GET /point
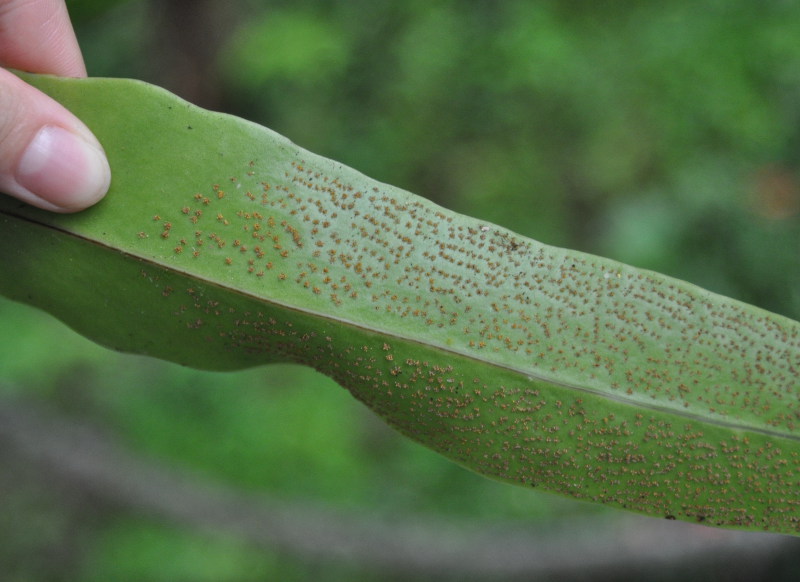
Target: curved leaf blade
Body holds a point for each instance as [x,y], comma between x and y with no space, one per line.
[223,245]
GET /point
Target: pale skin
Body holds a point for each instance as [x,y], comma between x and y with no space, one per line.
[48,158]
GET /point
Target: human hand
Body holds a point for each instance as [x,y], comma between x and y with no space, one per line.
[48,158]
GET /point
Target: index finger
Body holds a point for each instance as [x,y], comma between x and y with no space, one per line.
[37,36]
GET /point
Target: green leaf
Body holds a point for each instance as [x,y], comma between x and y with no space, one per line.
[222,245]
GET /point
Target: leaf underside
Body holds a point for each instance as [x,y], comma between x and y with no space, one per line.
[222,245]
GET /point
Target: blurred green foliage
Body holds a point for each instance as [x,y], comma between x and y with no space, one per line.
[665,135]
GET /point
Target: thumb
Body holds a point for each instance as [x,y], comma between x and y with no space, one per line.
[48,158]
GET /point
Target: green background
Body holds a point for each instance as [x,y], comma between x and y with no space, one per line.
[664,135]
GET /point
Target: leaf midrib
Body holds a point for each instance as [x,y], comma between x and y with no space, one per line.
[528,374]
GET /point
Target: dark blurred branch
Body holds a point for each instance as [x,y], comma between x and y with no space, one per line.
[188,37]
[77,455]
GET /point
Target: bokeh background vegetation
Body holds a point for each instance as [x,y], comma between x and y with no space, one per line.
[661,134]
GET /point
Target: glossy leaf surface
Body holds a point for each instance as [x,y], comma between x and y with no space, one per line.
[222,245]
